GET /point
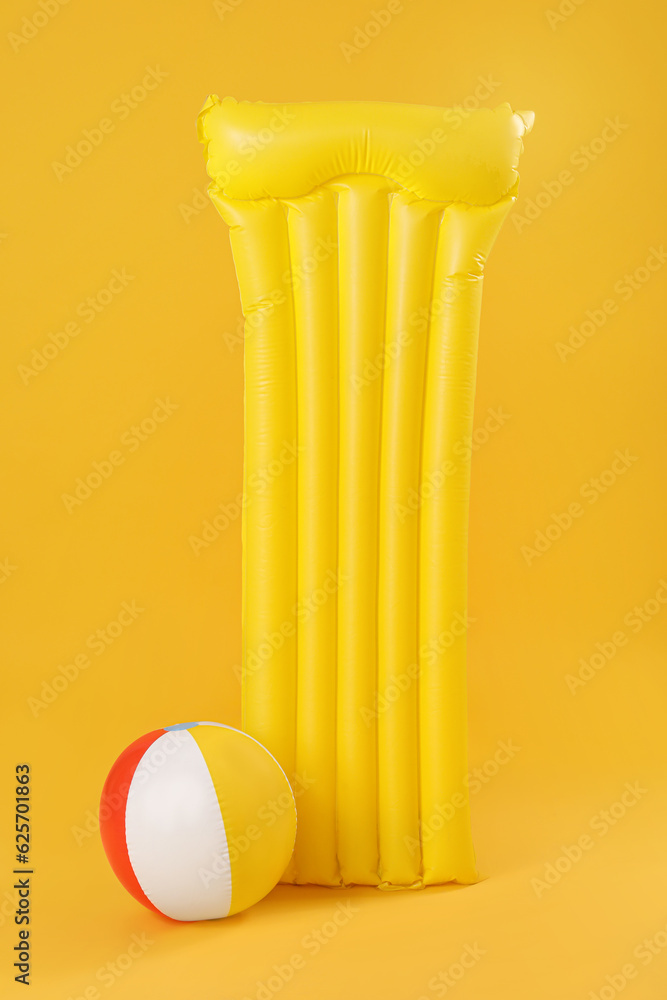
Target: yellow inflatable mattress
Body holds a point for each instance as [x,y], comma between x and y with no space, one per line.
[360,232]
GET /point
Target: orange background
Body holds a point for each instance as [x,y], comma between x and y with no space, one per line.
[170,332]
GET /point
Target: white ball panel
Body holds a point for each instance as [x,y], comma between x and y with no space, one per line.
[176,836]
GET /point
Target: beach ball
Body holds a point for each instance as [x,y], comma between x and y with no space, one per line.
[198,820]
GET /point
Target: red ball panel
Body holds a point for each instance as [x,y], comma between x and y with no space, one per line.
[112,814]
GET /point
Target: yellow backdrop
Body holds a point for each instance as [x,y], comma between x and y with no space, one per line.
[121,460]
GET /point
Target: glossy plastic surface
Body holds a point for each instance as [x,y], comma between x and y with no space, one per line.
[360,233]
